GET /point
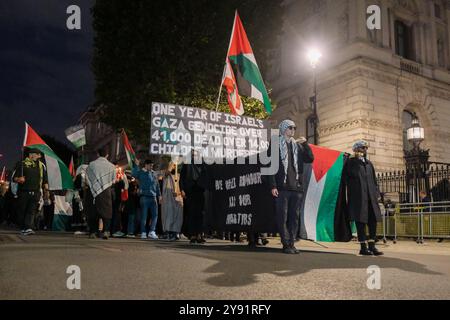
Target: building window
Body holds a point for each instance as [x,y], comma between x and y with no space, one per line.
[310,129]
[404,45]
[406,123]
[437,11]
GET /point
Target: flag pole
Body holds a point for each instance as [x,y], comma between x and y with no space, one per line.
[220,89]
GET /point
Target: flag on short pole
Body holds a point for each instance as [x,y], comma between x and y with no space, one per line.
[3,176]
[59,177]
[250,81]
[76,135]
[131,155]
[72,167]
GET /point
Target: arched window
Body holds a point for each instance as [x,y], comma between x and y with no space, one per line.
[406,123]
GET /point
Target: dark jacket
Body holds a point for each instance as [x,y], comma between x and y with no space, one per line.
[361,185]
[190,178]
[305,155]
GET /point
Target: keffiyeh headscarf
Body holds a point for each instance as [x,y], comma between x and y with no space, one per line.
[360,144]
[284,125]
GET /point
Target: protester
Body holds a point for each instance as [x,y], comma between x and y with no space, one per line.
[3,191]
[120,196]
[172,203]
[31,176]
[149,193]
[362,197]
[131,206]
[48,211]
[287,183]
[101,175]
[193,193]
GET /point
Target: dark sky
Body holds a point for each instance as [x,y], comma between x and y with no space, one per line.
[45,70]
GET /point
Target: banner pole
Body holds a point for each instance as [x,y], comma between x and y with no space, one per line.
[220,89]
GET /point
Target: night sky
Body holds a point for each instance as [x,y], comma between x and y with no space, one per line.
[45,70]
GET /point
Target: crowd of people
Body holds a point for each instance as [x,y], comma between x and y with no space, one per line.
[108,202]
[170,203]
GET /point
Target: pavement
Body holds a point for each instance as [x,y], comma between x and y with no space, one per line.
[35,267]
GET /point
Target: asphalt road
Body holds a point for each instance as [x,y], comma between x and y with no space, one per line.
[34,267]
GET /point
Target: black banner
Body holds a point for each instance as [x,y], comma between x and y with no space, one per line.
[238,199]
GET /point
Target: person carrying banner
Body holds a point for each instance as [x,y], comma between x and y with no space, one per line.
[149,194]
[101,175]
[31,176]
[172,203]
[286,185]
[362,197]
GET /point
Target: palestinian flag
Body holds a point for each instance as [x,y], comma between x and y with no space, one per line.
[59,177]
[131,156]
[76,135]
[250,81]
[323,217]
[62,214]
[72,167]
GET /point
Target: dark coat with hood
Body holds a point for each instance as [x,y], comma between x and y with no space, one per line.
[361,185]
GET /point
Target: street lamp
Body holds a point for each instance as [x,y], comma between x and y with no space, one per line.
[416,161]
[314,56]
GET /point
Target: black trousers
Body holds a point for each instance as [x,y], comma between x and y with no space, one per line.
[194,205]
[371,224]
[27,206]
[288,215]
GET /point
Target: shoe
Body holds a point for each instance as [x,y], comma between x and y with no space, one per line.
[143,235]
[132,236]
[193,241]
[265,242]
[92,236]
[119,234]
[288,250]
[106,235]
[201,240]
[374,250]
[28,232]
[152,235]
[295,250]
[364,251]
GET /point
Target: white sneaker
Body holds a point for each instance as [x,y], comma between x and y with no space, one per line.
[130,236]
[28,232]
[152,235]
[143,235]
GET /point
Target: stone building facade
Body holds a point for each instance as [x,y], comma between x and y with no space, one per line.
[369,82]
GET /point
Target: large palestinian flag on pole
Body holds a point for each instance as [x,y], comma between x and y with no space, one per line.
[323,217]
[250,81]
[59,177]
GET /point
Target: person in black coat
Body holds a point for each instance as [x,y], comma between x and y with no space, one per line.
[362,197]
[287,184]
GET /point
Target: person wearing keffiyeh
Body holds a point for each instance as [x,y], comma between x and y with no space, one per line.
[100,176]
[287,185]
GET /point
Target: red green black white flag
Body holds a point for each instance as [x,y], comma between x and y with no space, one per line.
[250,81]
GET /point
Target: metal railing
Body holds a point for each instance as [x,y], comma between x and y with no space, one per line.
[424,220]
[407,184]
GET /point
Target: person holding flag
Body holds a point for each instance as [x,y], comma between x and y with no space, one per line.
[31,177]
[287,185]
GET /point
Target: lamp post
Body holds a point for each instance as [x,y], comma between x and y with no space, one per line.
[314,57]
[416,162]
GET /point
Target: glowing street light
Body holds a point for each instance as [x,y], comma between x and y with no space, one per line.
[314,56]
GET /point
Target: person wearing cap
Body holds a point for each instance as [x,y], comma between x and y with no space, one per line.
[287,184]
[362,197]
[149,193]
[31,177]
